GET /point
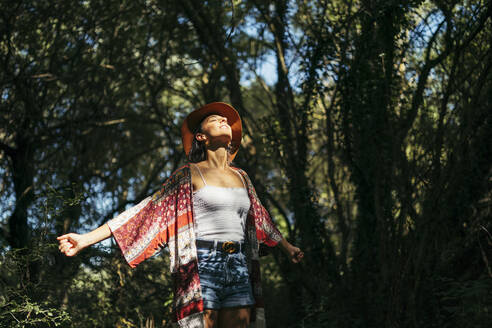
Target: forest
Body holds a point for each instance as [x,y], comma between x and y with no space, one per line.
[366,132]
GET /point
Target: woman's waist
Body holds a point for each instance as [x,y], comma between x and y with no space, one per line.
[227,246]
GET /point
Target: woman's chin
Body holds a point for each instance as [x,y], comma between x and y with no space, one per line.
[224,138]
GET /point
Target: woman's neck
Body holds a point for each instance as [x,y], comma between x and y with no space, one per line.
[217,158]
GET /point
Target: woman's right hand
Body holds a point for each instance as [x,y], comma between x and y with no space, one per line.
[71,244]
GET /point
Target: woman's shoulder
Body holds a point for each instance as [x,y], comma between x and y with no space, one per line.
[183,172]
[243,173]
[238,169]
[184,169]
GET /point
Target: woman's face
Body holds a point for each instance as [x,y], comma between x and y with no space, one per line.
[215,129]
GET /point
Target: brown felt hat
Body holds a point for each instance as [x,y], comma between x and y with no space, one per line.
[193,119]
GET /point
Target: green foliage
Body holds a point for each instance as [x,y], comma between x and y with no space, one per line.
[41,288]
[27,314]
[18,305]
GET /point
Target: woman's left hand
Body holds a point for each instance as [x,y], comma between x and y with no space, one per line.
[294,253]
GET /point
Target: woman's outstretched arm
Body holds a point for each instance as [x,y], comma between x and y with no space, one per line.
[73,243]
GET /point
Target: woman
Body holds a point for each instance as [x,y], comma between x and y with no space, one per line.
[209,216]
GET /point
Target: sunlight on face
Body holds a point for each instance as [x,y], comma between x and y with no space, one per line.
[215,127]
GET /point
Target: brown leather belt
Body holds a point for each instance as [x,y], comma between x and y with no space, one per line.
[230,247]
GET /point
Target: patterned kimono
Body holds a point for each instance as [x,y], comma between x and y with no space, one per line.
[165,219]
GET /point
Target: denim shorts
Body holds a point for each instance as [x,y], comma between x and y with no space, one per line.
[224,279]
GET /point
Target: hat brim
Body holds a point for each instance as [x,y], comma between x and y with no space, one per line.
[193,119]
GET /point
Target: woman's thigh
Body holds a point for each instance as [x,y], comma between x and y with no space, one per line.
[210,317]
[234,317]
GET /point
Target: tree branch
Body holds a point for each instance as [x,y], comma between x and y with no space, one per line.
[431,63]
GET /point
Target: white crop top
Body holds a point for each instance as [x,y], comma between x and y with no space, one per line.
[220,212]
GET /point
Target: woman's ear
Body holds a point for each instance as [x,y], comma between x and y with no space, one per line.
[200,137]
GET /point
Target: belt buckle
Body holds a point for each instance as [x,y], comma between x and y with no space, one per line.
[229,247]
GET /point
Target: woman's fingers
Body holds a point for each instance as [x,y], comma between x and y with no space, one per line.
[71,252]
[297,255]
[68,244]
[65,236]
[68,250]
[65,247]
[64,242]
